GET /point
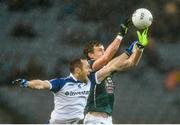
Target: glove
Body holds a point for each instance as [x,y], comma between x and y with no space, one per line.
[124,27]
[21,82]
[142,39]
[129,50]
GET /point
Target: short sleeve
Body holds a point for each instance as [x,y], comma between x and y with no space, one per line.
[56,84]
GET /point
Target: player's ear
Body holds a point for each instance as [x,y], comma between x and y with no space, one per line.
[77,70]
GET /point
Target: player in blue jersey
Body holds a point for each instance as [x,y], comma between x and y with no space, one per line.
[71,93]
[101,99]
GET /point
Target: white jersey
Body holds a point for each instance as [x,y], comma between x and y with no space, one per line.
[70,98]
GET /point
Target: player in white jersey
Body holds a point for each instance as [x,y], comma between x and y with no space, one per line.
[71,93]
[69,109]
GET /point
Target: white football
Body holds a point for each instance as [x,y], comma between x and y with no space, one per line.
[142,18]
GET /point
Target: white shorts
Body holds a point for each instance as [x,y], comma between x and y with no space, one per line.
[91,119]
[56,121]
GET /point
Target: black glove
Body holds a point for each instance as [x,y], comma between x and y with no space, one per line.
[124,27]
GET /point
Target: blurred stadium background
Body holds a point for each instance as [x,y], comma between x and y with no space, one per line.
[39,37]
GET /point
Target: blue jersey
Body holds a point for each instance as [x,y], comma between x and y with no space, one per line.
[70,98]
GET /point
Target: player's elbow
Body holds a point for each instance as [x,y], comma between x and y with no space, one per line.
[38,84]
[105,59]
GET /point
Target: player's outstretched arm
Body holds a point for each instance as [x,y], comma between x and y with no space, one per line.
[34,84]
[113,47]
[136,47]
[118,64]
[140,44]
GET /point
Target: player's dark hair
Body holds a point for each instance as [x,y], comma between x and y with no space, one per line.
[76,63]
[89,48]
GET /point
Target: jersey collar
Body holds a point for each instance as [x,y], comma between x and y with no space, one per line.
[72,76]
[76,81]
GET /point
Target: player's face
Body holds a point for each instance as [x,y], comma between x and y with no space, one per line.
[98,52]
[85,71]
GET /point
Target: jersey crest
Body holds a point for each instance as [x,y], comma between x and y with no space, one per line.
[109,85]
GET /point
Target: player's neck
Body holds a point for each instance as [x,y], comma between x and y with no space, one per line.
[79,78]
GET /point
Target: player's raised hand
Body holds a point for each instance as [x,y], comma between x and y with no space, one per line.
[143,38]
[21,82]
[124,27]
